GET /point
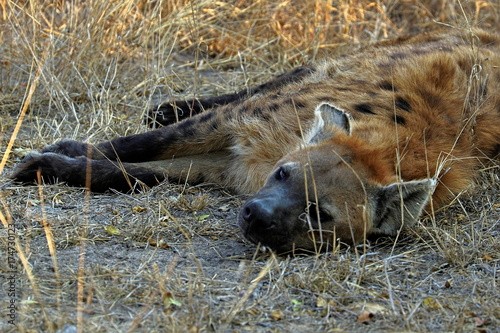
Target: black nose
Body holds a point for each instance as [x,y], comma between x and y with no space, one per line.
[258,214]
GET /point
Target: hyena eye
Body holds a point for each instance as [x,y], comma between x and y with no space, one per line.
[281,174]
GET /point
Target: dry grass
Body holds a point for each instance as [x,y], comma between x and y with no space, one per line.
[172,259]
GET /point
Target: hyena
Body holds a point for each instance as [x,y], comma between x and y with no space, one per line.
[346,149]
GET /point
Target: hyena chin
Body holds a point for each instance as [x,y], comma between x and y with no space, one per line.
[348,149]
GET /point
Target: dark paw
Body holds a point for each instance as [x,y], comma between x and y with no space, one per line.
[26,171]
[170,113]
[52,167]
[68,148]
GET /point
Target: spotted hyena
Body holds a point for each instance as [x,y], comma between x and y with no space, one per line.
[349,148]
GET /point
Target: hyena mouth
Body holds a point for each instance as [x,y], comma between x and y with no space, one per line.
[269,236]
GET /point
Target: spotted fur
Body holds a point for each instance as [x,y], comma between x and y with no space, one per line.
[351,147]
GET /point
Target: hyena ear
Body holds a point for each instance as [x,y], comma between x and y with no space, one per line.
[399,205]
[327,118]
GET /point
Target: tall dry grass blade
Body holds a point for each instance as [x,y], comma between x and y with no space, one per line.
[50,239]
[5,218]
[82,253]
[4,13]
[80,286]
[306,167]
[26,104]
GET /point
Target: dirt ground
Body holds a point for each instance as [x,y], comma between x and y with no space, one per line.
[171,258]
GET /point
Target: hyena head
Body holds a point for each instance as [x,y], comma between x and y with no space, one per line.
[334,188]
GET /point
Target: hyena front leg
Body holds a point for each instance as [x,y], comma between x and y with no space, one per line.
[102,175]
[173,111]
[201,134]
[66,160]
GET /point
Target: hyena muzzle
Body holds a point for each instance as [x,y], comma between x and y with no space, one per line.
[350,148]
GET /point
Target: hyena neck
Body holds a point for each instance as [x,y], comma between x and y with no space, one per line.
[389,154]
[373,161]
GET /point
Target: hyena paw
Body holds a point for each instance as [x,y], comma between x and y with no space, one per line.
[26,171]
[51,166]
[165,114]
[68,148]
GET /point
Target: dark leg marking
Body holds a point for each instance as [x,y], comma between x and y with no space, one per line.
[398,55]
[273,107]
[386,85]
[257,112]
[400,120]
[402,104]
[205,117]
[186,125]
[364,108]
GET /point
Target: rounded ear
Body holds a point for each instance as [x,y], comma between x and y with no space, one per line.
[326,117]
[399,204]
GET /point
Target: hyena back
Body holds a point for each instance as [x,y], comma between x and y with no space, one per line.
[350,148]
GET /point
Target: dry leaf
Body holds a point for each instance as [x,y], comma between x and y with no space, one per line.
[277,314]
[324,303]
[224,208]
[365,316]
[112,230]
[161,243]
[193,329]
[478,321]
[487,258]
[430,302]
[384,295]
[253,311]
[321,302]
[139,209]
[374,308]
